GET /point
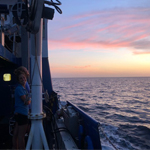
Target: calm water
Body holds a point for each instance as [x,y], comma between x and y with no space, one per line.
[121,105]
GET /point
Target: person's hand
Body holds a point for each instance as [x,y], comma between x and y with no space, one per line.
[27,100]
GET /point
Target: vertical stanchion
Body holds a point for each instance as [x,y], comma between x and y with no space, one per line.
[37,133]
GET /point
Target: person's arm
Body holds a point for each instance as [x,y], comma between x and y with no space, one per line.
[25,99]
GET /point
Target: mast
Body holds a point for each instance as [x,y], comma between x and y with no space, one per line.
[37,136]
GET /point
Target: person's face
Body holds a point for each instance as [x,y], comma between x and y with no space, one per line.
[22,79]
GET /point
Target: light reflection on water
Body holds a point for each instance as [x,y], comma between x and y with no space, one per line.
[118,102]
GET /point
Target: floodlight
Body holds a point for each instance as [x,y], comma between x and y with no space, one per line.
[48,13]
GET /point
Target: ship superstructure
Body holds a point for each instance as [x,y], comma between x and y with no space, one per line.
[23,42]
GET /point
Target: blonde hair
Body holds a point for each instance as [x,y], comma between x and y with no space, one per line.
[21,70]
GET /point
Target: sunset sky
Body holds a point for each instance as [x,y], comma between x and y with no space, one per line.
[100,38]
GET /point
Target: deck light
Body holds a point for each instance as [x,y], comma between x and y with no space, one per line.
[7,77]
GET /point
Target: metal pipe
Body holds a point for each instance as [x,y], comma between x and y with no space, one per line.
[29,143]
[14,44]
[44,140]
[36,116]
[37,86]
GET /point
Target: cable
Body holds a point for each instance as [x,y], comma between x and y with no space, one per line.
[55,5]
[36,61]
[107,138]
[54,134]
[8,47]
[45,107]
[11,40]
[59,3]
[52,123]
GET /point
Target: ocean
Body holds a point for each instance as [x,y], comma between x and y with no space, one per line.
[121,105]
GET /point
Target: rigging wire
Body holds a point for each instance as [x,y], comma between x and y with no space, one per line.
[36,61]
[12,40]
[100,127]
[8,47]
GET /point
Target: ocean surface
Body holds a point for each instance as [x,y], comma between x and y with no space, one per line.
[121,105]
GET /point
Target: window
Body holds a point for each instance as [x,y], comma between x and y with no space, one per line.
[7,77]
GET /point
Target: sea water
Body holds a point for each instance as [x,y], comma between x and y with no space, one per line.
[121,105]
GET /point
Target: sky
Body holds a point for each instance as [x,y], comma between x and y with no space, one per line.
[100,38]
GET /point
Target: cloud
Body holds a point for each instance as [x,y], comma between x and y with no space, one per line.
[83,67]
[104,29]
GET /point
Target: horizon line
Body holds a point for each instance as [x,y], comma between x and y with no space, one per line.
[106,77]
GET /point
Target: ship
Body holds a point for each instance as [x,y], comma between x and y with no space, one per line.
[23,42]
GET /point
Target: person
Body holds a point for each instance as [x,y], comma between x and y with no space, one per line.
[22,100]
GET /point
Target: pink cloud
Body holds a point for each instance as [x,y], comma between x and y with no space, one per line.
[105,29]
[141,52]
